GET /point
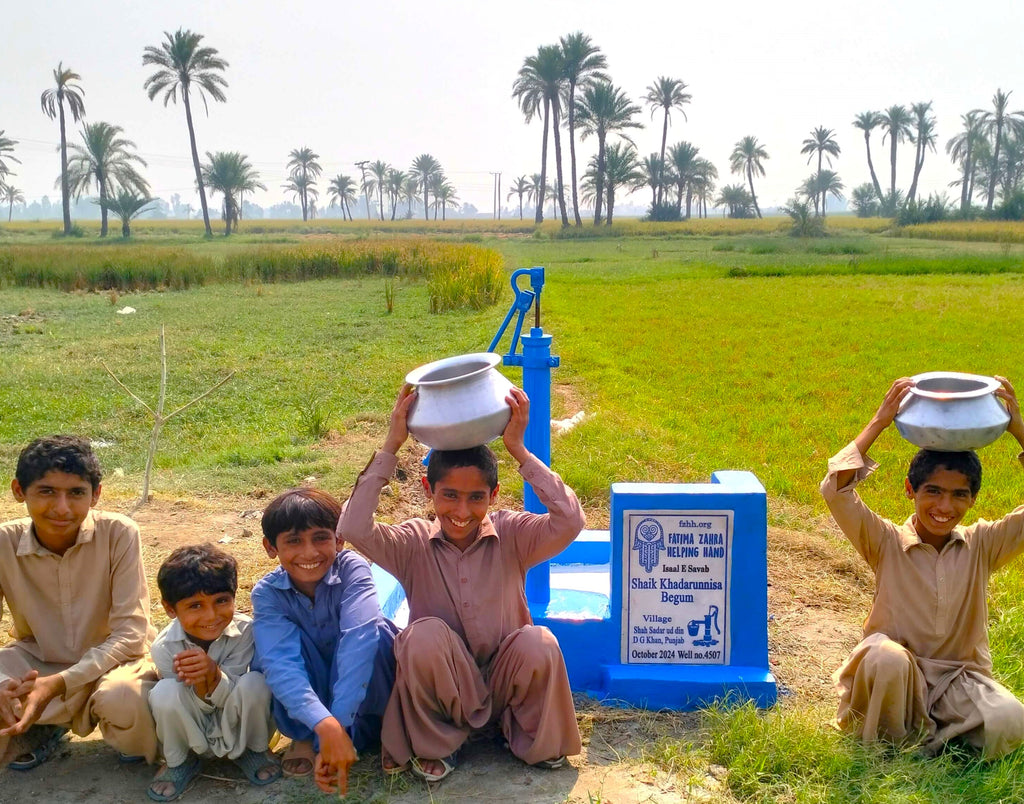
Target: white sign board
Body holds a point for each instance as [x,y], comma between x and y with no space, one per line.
[675,591]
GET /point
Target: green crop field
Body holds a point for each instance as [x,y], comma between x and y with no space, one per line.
[688,351]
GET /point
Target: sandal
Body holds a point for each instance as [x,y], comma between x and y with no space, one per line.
[298,751]
[394,769]
[50,738]
[448,763]
[181,776]
[551,764]
[252,762]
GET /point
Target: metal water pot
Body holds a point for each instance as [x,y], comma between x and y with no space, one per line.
[950,412]
[460,401]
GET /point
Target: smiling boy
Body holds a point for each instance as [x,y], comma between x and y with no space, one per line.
[471,655]
[323,644]
[209,699]
[923,670]
[76,589]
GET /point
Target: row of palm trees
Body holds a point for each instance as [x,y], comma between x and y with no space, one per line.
[569,79]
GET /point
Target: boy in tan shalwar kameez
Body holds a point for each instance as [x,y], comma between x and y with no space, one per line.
[471,655]
[923,670]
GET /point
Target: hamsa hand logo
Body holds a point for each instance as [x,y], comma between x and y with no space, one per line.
[649,541]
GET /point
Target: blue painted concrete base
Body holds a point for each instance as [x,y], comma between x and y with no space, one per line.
[684,687]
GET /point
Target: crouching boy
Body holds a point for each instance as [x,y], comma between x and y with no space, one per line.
[923,670]
[471,655]
[76,591]
[208,699]
[325,646]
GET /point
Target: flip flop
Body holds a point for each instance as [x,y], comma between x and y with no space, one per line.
[252,762]
[448,763]
[181,776]
[551,764]
[292,754]
[50,738]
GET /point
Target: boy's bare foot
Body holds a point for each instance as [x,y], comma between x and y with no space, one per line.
[298,759]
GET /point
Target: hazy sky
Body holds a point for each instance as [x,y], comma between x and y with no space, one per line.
[390,80]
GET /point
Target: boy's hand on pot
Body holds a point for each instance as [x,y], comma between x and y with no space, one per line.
[398,429]
[515,431]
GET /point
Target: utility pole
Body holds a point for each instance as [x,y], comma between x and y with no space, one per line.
[499,196]
[366,198]
[496,195]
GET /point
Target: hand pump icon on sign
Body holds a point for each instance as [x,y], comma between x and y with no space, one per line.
[694,628]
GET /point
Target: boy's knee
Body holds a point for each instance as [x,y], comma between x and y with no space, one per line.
[166,696]
[116,700]
[537,644]
[888,660]
[252,686]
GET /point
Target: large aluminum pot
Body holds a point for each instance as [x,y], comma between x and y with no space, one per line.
[950,412]
[460,401]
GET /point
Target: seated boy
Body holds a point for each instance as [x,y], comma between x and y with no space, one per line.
[76,590]
[471,654]
[208,700]
[325,647]
[923,670]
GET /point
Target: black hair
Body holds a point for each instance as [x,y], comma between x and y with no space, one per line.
[927,461]
[298,510]
[443,461]
[65,453]
[198,568]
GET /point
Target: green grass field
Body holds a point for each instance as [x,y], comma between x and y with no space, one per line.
[682,367]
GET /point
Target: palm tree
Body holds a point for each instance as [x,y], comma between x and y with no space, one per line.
[520,187]
[866,122]
[300,187]
[601,110]
[410,193]
[106,158]
[52,100]
[379,171]
[819,186]
[342,190]
[896,122]
[736,200]
[230,174]
[653,169]
[747,156]
[395,186]
[424,168]
[183,65]
[126,205]
[6,147]
[622,169]
[923,137]
[10,195]
[823,143]
[538,87]
[668,94]
[994,124]
[303,162]
[444,197]
[582,61]
[964,148]
[682,160]
[704,178]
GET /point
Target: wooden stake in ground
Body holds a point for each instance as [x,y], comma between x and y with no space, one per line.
[158,415]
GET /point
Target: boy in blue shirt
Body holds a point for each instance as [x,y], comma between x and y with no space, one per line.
[324,645]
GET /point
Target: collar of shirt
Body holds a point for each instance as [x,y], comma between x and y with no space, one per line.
[909,537]
[280,579]
[486,529]
[177,633]
[28,544]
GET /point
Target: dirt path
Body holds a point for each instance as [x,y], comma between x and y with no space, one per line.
[818,592]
